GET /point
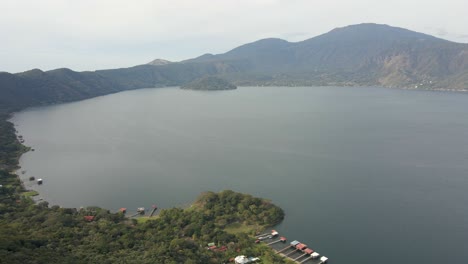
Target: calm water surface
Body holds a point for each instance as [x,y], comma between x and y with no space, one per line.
[365,175]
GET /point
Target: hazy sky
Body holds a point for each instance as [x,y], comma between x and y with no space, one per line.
[94,34]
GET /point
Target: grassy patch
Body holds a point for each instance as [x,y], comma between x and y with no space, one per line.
[144,219]
[30,193]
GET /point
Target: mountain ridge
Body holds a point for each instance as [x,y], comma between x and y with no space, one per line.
[356,55]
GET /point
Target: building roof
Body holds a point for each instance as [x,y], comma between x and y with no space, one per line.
[323,259]
[301,246]
[308,251]
[294,243]
[315,254]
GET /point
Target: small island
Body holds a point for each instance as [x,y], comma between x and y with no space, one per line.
[209,83]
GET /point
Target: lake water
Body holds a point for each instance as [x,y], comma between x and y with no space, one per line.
[365,175]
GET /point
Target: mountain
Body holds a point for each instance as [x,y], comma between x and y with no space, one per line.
[364,54]
[158,62]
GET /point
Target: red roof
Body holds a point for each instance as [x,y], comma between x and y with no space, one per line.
[301,246]
[123,210]
[308,251]
[282,238]
[223,248]
[89,218]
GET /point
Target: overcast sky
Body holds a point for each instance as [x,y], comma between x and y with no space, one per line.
[94,34]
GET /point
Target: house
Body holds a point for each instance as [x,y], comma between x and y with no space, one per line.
[315,255]
[323,259]
[301,246]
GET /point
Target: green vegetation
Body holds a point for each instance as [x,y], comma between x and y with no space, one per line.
[236,228]
[35,233]
[29,193]
[10,148]
[209,83]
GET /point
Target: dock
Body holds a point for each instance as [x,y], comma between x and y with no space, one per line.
[154,210]
[296,251]
[141,211]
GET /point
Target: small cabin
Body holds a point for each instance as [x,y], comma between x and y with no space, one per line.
[274,233]
[301,246]
[283,239]
[141,210]
[309,251]
[323,259]
[315,255]
[39,181]
[123,210]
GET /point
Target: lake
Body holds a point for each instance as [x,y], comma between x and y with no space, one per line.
[365,175]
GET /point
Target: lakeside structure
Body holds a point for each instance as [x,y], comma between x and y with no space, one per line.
[295,250]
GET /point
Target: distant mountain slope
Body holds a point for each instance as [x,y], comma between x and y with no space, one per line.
[36,87]
[209,83]
[364,54]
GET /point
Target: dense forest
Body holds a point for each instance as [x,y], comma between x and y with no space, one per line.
[38,233]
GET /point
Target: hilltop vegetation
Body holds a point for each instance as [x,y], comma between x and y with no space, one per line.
[35,233]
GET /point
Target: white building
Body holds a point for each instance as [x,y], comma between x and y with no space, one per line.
[323,259]
[241,260]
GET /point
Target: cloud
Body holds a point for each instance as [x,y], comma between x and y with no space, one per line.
[94,34]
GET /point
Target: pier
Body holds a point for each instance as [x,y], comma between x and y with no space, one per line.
[296,251]
[282,239]
[154,210]
[141,211]
[303,255]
